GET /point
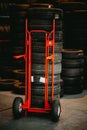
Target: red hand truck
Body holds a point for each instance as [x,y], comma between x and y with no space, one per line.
[18,105]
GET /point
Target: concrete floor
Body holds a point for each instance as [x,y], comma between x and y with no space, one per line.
[73,116]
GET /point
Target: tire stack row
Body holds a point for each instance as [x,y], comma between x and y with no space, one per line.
[40,17]
[85,70]
[4,21]
[18,16]
[6,79]
[72,71]
[75,27]
[78,28]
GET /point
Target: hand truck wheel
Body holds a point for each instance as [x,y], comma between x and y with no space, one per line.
[17,110]
[56,110]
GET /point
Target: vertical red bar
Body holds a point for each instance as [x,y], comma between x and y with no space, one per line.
[28,67]
[29,71]
[26,40]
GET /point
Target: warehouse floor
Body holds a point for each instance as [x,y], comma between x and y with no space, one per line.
[73,116]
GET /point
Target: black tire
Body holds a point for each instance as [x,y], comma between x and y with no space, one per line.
[39,47]
[38,101]
[17,111]
[38,69]
[6,84]
[19,81]
[38,83]
[4,8]
[72,89]
[72,63]
[56,110]
[20,36]
[61,88]
[39,91]
[71,53]
[72,72]
[39,58]
[18,15]
[20,26]
[21,7]
[18,50]
[40,25]
[58,36]
[43,13]
[40,5]
[73,80]
[19,63]
[6,71]
[5,28]
[18,87]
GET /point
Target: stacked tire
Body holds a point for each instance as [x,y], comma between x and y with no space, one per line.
[72,71]
[6,79]
[18,16]
[78,28]
[85,70]
[75,27]
[40,18]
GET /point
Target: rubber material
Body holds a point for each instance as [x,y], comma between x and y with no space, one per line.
[40,69]
[16,110]
[43,13]
[72,71]
[71,53]
[39,91]
[73,89]
[40,47]
[73,80]
[38,101]
[40,58]
[56,110]
[72,63]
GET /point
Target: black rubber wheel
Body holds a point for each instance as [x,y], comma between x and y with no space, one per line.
[17,110]
[56,110]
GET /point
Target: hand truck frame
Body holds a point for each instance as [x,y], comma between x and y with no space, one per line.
[18,105]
